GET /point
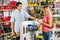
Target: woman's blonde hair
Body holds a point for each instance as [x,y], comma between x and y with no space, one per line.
[48,9]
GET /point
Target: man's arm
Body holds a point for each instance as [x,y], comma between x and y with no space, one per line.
[12,26]
[31,17]
[28,16]
[12,23]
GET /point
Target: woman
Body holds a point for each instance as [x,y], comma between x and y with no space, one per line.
[46,23]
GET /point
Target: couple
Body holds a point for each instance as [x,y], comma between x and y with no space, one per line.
[18,16]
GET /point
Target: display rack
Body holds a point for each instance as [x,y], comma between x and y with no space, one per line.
[56,30]
[5,15]
[3,34]
[38,4]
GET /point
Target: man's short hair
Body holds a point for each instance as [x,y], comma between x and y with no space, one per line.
[18,3]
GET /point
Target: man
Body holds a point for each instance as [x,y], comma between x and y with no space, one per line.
[17,17]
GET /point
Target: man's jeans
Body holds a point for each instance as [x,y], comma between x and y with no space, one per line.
[46,35]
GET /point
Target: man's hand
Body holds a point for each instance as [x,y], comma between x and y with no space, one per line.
[13,33]
[12,28]
[31,17]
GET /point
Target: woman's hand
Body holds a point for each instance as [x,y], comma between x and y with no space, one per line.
[40,21]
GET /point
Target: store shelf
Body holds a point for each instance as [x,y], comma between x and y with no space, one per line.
[5,34]
[6,10]
[56,8]
[33,4]
[5,22]
[56,15]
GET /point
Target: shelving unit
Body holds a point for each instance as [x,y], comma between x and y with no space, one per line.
[38,4]
[2,36]
[5,15]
